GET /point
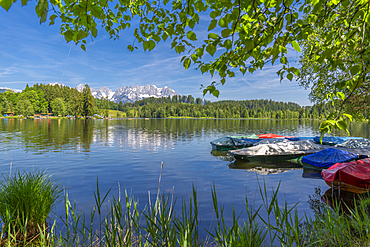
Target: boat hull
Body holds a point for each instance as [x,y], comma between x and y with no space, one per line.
[267,158]
[336,184]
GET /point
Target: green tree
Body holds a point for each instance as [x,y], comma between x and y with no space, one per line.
[344,79]
[58,107]
[104,106]
[87,102]
[25,108]
[120,106]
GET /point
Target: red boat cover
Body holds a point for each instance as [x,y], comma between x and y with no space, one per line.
[355,173]
[271,135]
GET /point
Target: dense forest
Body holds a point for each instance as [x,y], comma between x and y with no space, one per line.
[62,101]
[187,106]
[56,99]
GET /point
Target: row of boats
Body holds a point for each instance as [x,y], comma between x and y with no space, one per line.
[344,162]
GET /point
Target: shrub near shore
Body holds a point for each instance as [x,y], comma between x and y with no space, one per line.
[26,199]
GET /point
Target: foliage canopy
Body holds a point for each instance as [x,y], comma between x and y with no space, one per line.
[242,35]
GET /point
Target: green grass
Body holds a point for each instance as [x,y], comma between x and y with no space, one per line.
[118,221]
[26,200]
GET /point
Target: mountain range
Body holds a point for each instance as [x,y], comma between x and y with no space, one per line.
[124,94]
[131,93]
[3,89]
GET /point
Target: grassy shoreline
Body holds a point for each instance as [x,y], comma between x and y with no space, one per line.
[159,224]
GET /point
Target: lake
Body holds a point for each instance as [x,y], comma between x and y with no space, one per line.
[127,153]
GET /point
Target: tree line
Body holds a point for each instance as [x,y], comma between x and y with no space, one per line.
[62,101]
[190,107]
[56,99]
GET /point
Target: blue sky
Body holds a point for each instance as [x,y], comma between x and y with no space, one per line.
[33,53]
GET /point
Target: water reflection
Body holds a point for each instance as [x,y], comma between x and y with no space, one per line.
[45,135]
[343,201]
[263,168]
[130,151]
[311,173]
[222,155]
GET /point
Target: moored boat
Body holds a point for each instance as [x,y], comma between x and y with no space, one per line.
[234,142]
[279,150]
[353,176]
[334,140]
[271,135]
[326,158]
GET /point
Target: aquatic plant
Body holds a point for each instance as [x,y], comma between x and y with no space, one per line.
[26,199]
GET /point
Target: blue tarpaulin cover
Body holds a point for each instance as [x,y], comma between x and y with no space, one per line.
[328,157]
[333,140]
[299,138]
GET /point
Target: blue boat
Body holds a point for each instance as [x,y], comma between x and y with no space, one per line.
[326,158]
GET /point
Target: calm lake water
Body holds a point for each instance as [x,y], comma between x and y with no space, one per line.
[129,152]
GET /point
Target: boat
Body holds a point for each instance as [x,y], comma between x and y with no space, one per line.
[237,142]
[234,142]
[355,143]
[334,140]
[353,176]
[277,150]
[271,135]
[326,158]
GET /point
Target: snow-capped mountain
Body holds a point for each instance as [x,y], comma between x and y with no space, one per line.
[80,87]
[3,89]
[133,93]
[130,94]
[102,92]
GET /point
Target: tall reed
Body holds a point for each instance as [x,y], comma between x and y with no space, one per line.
[116,221]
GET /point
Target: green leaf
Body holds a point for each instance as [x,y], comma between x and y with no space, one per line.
[212,36]
[130,47]
[83,47]
[211,49]
[52,19]
[290,76]
[296,46]
[6,4]
[226,33]
[164,36]
[187,63]
[212,25]
[341,95]
[222,22]
[200,52]
[284,60]
[216,93]
[335,1]
[350,117]
[354,70]
[145,45]
[249,44]
[191,35]
[151,45]
[68,35]
[341,124]
[213,14]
